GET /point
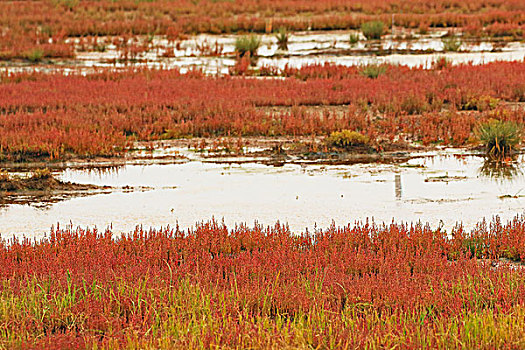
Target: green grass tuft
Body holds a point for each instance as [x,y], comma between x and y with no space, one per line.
[499,137]
[347,139]
[373,30]
[354,38]
[282,37]
[373,71]
[35,55]
[451,44]
[247,44]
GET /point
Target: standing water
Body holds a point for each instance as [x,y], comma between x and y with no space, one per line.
[439,189]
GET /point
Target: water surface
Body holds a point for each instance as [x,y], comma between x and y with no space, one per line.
[438,189]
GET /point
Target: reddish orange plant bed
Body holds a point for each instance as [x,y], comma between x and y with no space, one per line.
[348,287]
[38,29]
[99,114]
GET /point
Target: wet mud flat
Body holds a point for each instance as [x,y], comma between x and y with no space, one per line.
[263,150]
[41,186]
[274,151]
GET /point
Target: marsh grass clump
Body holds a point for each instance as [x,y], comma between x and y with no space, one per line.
[373,71]
[41,174]
[451,44]
[347,139]
[499,137]
[4,175]
[68,4]
[35,55]
[247,45]
[481,103]
[373,30]
[282,37]
[353,38]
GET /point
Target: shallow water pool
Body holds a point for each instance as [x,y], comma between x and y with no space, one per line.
[441,189]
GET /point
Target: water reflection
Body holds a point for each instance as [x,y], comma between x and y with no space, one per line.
[398,187]
[501,170]
[101,170]
[44,200]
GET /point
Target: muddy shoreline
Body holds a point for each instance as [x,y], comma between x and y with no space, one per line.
[34,181]
[41,188]
[35,184]
[263,150]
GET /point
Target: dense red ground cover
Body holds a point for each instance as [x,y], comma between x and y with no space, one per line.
[344,287]
[53,115]
[39,28]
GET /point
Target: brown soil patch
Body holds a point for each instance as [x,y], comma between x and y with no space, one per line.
[34,183]
[268,150]
[41,189]
[338,110]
